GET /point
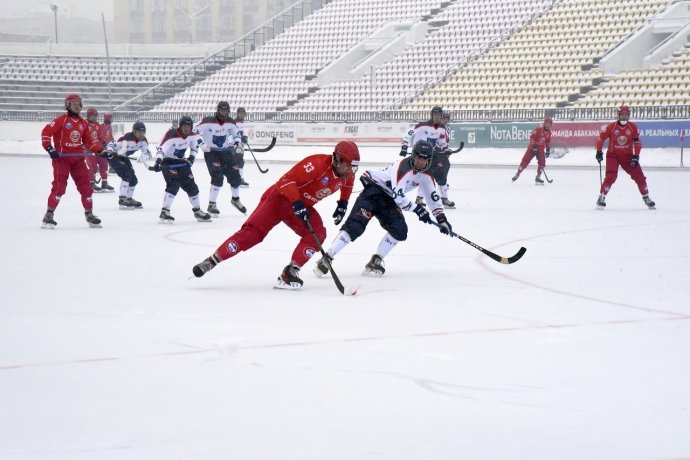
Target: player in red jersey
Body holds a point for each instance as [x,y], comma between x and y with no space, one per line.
[64,139]
[291,200]
[624,151]
[97,164]
[540,147]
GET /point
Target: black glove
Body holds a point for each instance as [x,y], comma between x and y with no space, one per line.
[340,210]
[157,167]
[444,225]
[403,151]
[635,161]
[300,211]
[244,139]
[547,152]
[52,152]
[599,156]
[191,159]
[535,150]
[422,213]
[107,154]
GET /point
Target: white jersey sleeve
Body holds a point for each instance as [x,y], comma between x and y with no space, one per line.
[399,178]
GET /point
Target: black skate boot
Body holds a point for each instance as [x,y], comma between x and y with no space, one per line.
[648,201]
[289,279]
[93,221]
[515,177]
[447,203]
[123,203]
[321,268]
[166,217]
[201,216]
[238,204]
[375,267]
[205,266]
[94,186]
[131,203]
[538,181]
[48,221]
[105,187]
[601,202]
[243,183]
[213,209]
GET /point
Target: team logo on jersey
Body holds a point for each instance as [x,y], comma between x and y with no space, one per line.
[622,140]
[616,132]
[323,193]
[233,247]
[325,180]
[309,252]
[74,137]
[68,125]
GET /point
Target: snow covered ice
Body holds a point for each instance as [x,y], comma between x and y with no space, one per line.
[579,350]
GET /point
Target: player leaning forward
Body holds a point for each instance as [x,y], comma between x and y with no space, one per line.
[385,196]
[64,139]
[291,200]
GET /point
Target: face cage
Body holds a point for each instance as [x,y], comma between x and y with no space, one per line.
[425,168]
[337,162]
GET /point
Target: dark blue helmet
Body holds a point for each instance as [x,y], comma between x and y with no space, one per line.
[139,126]
[423,150]
[223,105]
[186,120]
[436,110]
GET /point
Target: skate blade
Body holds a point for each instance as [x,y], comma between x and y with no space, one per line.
[372,273]
[287,286]
[600,208]
[449,207]
[47,226]
[538,183]
[240,209]
[201,219]
[215,216]
[165,221]
[126,208]
[95,225]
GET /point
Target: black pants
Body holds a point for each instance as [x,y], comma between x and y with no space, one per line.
[178,175]
[375,202]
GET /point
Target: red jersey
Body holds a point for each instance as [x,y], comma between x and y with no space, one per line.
[94,131]
[540,138]
[313,179]
[69,135]
[105,133]
[623,139]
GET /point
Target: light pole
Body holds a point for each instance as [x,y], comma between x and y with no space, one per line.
[191,17]
[54,7]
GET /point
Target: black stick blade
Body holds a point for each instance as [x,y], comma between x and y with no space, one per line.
[515,258]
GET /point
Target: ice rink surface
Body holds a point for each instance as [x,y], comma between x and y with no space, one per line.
[580,350]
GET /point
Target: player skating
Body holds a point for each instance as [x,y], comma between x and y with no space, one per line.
[120,153]
[540,147]
[291,200]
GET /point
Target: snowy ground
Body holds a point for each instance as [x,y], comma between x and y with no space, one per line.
[579,350]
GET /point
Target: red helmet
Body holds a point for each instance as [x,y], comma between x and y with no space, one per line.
[72,97]
[107,117]
[347,152]
[91,111]
[624,109]
[548,121]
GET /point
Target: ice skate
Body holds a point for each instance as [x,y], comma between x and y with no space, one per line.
[648,201]
[48,221]
[420,200]
[601,202]
[213,210]
[538,181]
[105,187]
[95,187]
[243,183]
[375,267]
[165,217]
[204,266]
[321,268]
[92,220]
[447,203]
[238,205]
[201,216]
[289,279]
[132,202]
[129,203]
[515,177]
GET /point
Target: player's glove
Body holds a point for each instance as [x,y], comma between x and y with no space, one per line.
[52,152]
[245,139]
[599,156]
[422,213]
[191,159]
[535,151]
[157,166]
[340,210]
[547,152]
[300,211]
[635,161]
[443,223]
[403,151]
[239,150]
